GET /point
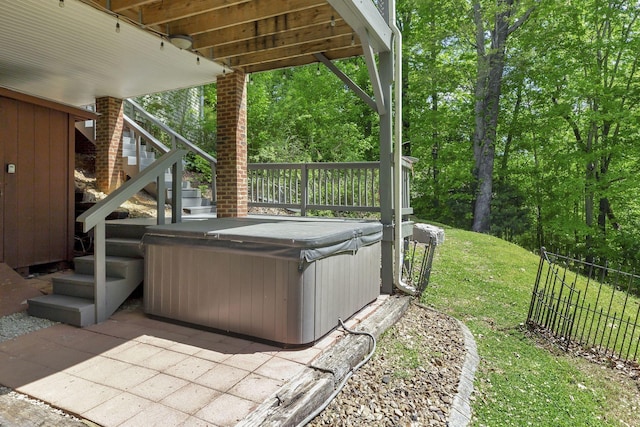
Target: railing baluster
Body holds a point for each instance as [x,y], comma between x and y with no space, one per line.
[304,176]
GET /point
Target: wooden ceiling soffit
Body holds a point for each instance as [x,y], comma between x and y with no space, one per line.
[289,52]
[265,27]
[273,64]
[173,10]
[238,14]
[320,33]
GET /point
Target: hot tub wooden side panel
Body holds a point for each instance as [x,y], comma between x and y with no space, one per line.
[263,297]
[347,283]
[243,294]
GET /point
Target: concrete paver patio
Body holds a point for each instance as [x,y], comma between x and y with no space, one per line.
[133,370]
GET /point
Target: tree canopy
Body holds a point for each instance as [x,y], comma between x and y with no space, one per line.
[524,116]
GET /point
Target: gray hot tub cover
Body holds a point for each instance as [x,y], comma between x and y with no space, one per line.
[289,239]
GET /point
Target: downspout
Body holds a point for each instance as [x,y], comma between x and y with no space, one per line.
[397,194]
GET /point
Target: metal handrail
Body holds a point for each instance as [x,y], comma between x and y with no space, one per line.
[95,217]
[185,143]
[188,145]
[137,129]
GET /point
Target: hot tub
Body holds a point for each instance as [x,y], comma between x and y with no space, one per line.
[282,281]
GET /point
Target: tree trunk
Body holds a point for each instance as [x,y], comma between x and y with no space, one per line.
[502,174]
[487,108]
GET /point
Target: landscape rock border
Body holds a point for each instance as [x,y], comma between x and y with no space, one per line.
[461,407]
[302,395]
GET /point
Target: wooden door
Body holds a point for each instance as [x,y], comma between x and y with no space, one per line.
[35,205]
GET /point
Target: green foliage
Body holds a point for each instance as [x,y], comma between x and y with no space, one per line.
[487,282]
[307,114]
[200,166]
[190,112]
[566,140]
[509,215]
[566,145]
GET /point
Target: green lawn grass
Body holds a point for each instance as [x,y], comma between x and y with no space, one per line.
[487,283]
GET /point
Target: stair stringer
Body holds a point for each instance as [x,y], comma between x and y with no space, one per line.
[118,289]
[72,300]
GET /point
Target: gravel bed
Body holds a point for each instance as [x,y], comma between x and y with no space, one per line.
[19,410]
[410,381]
[21,323]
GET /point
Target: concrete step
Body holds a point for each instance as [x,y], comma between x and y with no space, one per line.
[133,161]
[117,267]
[130,160]
[130,170]
[193,210]
[188,202]
[133,228]
[131,152]
[124,247]
[81,285]
[61,308]
[186,192]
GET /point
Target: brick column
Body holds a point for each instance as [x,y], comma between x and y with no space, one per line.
[109,144]
[231,146]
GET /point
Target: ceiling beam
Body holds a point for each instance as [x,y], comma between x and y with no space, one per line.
[319,33]
[264,27]
[172,10]
[288,52]
[336,54]
[239,14]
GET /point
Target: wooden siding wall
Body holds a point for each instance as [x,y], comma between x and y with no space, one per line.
[36,204]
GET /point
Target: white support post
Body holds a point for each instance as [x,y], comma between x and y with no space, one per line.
[100,272]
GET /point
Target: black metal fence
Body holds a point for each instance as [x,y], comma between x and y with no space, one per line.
[587,305]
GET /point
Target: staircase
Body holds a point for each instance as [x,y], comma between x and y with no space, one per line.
[72,300]
[137,155]
[192,200]
[96,289]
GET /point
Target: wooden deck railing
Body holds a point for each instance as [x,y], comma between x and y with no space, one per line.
[350,187]
[346,187]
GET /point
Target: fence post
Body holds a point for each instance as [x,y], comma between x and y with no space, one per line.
[537,284]
[304,193]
